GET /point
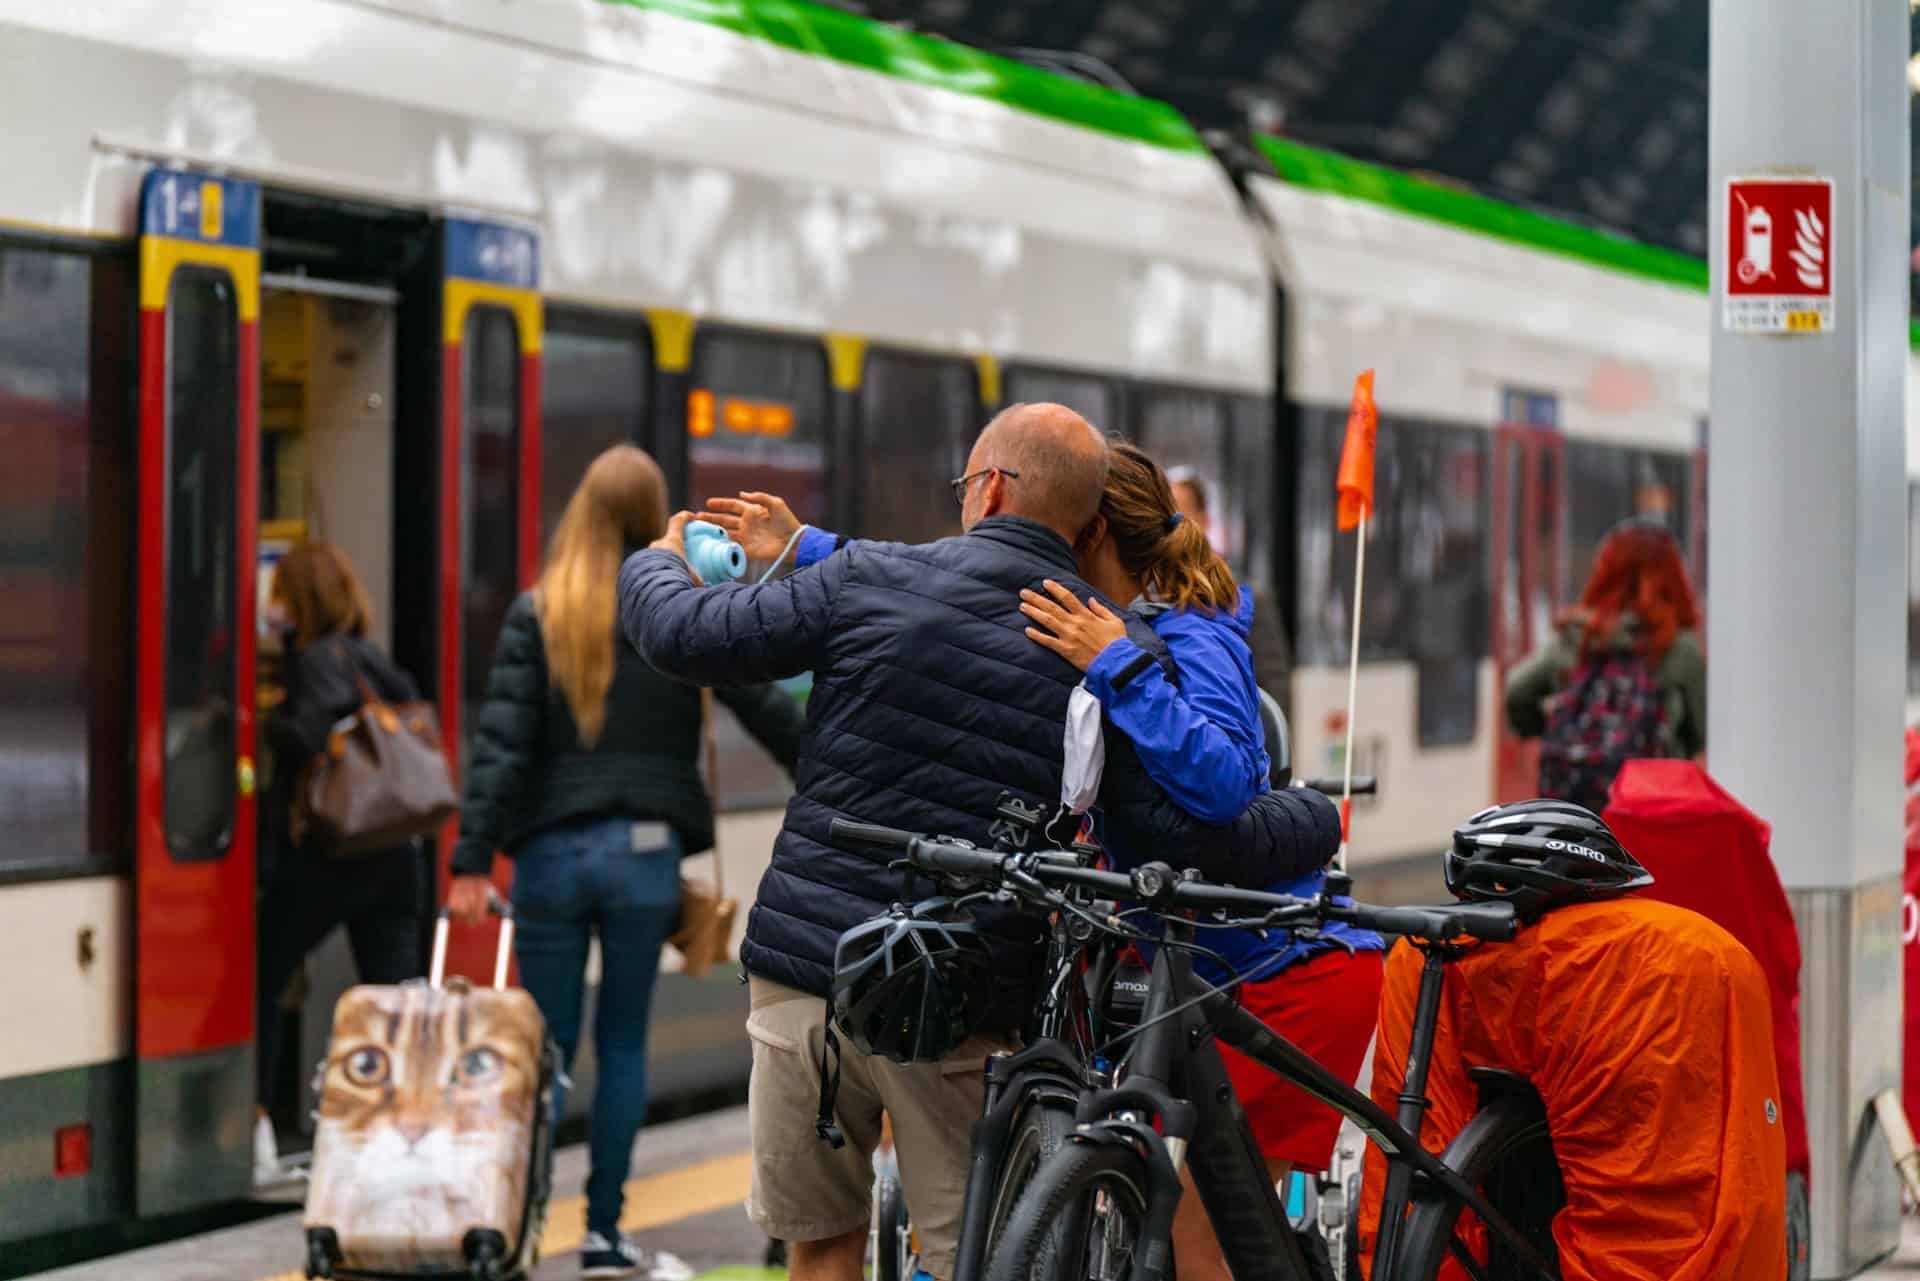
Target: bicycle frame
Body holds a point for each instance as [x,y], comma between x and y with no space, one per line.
[1175,1075]
[1056,1066]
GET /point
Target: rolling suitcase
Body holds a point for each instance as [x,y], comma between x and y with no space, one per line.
[434,1136]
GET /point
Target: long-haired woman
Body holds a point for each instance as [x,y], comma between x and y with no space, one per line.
[320,610]
[584,770]
[1636,624]
[1200,737]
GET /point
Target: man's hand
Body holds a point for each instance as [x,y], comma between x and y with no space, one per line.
[675,540]
[1074,631]
[467,898]
[762,524]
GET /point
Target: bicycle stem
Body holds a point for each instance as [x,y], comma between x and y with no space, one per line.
[1413,1108]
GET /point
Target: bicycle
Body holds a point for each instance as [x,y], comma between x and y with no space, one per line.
[1117,1171]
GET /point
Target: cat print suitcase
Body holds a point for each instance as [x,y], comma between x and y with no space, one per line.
[434,1136]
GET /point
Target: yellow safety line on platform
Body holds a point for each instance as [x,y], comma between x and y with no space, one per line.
[652,1202]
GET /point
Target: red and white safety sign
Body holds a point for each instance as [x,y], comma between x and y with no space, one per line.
[1779,261]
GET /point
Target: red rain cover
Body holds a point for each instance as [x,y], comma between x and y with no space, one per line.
[1910,936]
[1709,854]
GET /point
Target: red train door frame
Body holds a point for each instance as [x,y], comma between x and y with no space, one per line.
[490,275]
[1528,576]
[194,677]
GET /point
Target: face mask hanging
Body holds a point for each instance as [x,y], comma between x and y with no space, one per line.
[1085,753]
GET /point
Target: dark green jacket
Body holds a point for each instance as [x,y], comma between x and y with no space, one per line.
[528,771]
[1681,675]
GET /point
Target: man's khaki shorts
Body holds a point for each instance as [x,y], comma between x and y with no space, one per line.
[805,1190]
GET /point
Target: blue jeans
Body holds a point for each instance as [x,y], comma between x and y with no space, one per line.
[569,884]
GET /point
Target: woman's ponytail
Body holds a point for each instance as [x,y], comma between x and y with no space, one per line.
[1156,543]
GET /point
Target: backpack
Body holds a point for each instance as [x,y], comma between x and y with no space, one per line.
[1610,712]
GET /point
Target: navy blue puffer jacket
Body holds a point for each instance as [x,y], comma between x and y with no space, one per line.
[928,704]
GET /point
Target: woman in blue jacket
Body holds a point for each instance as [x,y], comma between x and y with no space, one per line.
[1202,740]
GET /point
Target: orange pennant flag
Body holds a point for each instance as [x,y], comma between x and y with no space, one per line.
[1355,482]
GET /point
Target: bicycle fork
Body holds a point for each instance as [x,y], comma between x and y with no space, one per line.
[1413,1108]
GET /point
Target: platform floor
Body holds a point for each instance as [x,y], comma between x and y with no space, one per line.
[690,1182]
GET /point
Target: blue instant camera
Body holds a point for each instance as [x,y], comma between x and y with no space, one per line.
[715,557]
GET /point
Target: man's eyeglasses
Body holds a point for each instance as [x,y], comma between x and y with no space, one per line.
[960,483]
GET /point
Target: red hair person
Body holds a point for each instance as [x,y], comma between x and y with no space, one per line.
[1624,676]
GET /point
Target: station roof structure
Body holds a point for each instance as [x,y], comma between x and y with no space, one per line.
[1592,110]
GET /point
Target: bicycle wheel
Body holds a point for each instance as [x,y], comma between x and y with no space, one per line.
[1081,1217]
[1506,1153]
[1040,1131]
[892,1232]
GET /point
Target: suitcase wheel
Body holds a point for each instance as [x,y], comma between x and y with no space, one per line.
[486,1253]
[323,1251]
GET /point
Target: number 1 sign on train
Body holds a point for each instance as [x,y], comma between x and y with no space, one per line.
[1778,268]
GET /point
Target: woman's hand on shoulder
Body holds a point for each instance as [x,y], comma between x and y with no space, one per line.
[1077,632]
[762,524]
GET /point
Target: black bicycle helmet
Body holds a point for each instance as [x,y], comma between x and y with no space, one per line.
[911,985]
[1538,855]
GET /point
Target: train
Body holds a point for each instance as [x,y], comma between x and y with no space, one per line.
[389,272]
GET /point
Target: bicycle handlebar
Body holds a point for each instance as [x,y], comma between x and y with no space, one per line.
[1156,884]
[1363,785]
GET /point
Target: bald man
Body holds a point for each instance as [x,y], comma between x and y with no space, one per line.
[930,711]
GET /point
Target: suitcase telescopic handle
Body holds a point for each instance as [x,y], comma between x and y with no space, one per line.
[437,972]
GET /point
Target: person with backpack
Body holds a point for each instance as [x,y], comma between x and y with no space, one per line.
[1624,677]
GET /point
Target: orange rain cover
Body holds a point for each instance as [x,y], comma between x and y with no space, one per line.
[1646,1030]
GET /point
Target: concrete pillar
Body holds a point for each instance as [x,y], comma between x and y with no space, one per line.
[1807,557]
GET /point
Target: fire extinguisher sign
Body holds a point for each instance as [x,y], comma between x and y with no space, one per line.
[1779,259]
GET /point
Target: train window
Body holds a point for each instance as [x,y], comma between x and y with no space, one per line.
[489,494]
[1186,432]
[593,395]
[757,417]
[1609,483]
[1426,593]
[63,556]
[1249,518]
[203,349]
[1094,398]
[918,418]
[1913,590]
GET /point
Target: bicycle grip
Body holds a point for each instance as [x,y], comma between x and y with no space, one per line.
[1363,785]
[847,832]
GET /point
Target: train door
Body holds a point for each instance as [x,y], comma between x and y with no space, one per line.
[194,737]
[1529,563]
[327,383]
[491,337]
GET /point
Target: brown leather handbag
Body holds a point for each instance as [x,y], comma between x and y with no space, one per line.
[380,781]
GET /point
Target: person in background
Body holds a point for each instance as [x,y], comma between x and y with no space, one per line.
[1624,675]
[584,769]
[318,606]
[1201,739]
[930,712]
[1266,631]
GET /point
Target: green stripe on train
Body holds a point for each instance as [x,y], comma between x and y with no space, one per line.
[927,60]
[1319,170]
[861,42]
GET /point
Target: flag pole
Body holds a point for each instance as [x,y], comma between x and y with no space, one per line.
[1353,691]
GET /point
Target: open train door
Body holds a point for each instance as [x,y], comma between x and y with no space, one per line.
[195,640]
[491,329]
[1529,567]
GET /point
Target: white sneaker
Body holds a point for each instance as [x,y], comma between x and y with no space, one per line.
[266,1153]
[623,1257]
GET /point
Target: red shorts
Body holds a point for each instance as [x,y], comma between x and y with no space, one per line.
[1326,1006]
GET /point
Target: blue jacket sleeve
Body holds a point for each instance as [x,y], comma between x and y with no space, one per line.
[730,634]
[815,545]
[1200,740]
